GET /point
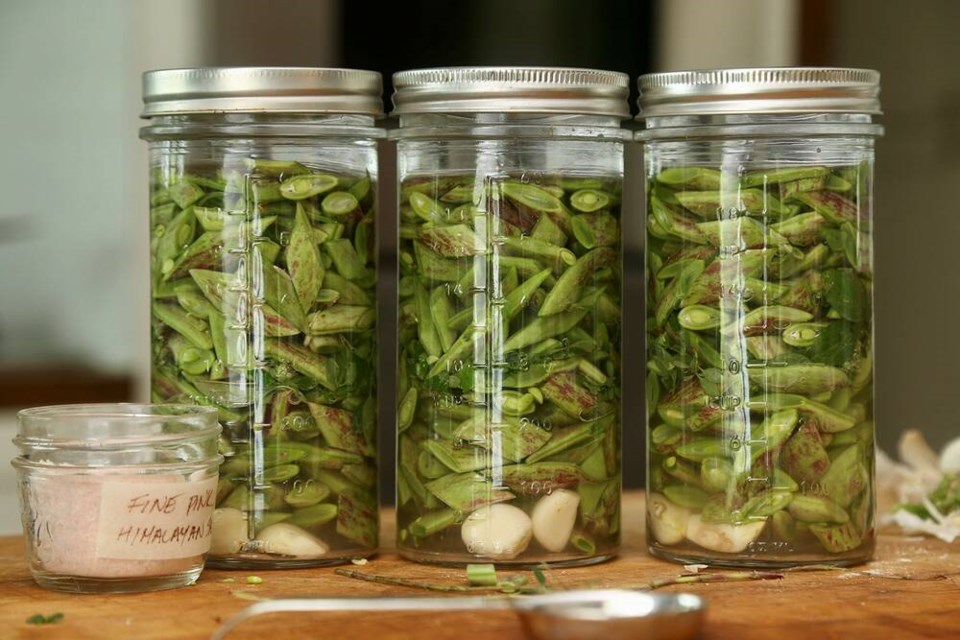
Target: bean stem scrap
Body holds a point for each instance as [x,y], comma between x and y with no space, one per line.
[699,578]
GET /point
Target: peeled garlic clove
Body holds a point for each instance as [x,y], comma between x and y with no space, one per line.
[722,537]
[229,531]
[498,531]
[668,521]
[290,540]
[553,518]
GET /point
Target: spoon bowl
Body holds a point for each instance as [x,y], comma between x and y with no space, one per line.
[610,614]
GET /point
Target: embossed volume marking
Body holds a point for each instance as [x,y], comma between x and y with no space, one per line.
[766,363]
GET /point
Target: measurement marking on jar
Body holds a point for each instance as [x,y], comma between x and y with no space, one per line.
[766,364]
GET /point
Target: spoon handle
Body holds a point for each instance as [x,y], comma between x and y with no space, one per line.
[303,605]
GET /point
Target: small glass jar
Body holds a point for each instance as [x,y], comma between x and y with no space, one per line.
[760,315]
[117,497]
[263,187]
[509,314]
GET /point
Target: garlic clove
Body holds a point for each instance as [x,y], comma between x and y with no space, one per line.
[499,531]
[553,517]
[229,531]
[722,537]
[668,521]
[950,457]
[290,540]
[914,450]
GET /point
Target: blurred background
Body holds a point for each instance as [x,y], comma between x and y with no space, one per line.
[73,217]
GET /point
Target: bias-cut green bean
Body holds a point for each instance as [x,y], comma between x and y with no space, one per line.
[303,260]
[675,223]
[698,317]
[517,440]
[804,457]
[678,290]
[590,200]
[190,327]
[832,206]
[541,477]
[458,460]
[847,476]
[681,470]
[555,256]
[716,474]
[596,229]
[339,203]
[433,522]
[303,186]
[803,230]
[184,193]
[766,177]
[741,232]
[693,177]
[707,204]
[467,492]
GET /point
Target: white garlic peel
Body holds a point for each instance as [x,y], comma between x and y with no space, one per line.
[498,531]
[553,517]
[229,531]
[668,521]
[291,540]
[721,537]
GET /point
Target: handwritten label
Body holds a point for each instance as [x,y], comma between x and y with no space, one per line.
[155,520]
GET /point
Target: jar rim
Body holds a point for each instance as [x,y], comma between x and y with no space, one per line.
[41,427]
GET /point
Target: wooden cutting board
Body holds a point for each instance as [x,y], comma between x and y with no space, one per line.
[912,590]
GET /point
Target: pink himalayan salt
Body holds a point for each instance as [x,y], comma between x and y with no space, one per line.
[66,512]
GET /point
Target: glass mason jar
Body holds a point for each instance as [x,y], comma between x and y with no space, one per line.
[509,314]
[117,497]
[760,315]
[263,189]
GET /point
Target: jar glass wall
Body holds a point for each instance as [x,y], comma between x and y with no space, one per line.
[760,338]
[509,338]
[263,277]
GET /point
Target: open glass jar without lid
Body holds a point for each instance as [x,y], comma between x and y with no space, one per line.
[263,187]
[509,314]
[760,314]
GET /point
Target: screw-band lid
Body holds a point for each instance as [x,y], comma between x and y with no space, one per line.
[759,90]
[261,89]
[511,89]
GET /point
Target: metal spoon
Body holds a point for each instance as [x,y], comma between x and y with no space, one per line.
[566,615]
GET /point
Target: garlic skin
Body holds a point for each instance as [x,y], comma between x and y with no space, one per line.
[553,518]
[498,531]
[721,537]
[668,521]
[229,531]
[291,540]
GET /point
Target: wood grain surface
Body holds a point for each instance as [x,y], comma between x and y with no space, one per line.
[911,590]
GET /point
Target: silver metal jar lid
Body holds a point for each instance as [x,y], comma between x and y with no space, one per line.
[261,89]
[511,89]
[760,90]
